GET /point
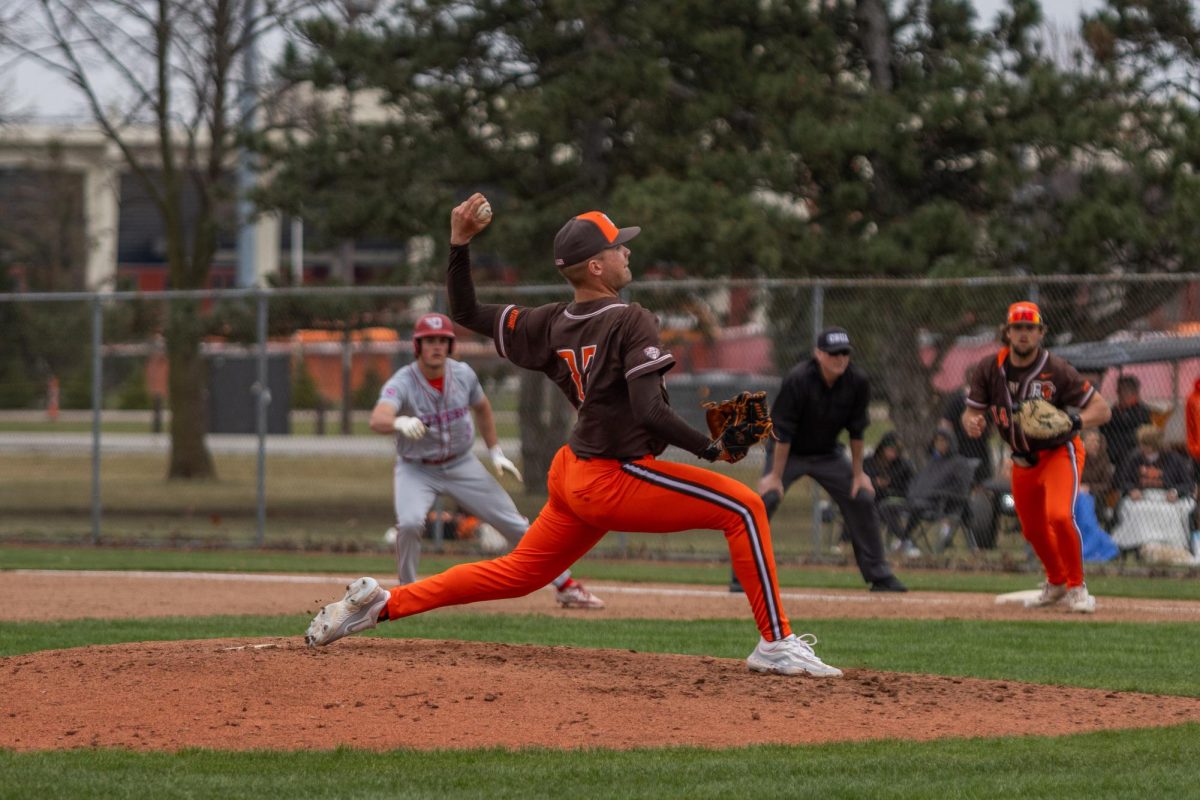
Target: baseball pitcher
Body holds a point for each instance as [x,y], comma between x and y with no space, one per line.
[428,406]
[606,356]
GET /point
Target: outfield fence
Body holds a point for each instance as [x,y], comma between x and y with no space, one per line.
[291,374]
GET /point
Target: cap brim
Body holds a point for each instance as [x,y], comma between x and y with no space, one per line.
[838,351]
[625,234]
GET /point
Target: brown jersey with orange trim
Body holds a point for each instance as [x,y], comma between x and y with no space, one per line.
[999,387]
[591,350]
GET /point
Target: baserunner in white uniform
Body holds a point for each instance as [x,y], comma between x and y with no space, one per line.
[428,406]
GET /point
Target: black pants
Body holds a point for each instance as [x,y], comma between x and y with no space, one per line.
[834,474]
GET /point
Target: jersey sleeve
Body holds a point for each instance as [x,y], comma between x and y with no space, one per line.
[979,392]
[523,335]
[642,352]
[392,392]
[1073,390]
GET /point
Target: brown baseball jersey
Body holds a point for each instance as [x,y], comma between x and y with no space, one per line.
[591,350]
[999,387]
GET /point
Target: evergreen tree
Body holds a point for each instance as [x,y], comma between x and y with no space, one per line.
[845,138]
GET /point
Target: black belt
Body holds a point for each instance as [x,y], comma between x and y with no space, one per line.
[432,462]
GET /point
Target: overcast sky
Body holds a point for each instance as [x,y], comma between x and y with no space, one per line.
[42,94]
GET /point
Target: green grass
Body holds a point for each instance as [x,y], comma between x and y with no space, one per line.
[332,502]
[596,568]
[1157,658]
[1146,763]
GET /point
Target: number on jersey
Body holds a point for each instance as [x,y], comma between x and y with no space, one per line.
[578,365]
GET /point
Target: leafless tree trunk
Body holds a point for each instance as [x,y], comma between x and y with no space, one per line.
[176,67]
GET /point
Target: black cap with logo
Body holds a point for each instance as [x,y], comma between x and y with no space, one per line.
[834,341]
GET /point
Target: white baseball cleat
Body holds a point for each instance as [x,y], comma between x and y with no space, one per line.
[1080,601]
[792,655]
[357,611]
[1051,594]
[575,595]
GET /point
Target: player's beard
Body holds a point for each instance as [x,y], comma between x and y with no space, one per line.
[1024,351]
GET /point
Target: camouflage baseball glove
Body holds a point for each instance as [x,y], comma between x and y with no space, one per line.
[1038,419]
[736,425]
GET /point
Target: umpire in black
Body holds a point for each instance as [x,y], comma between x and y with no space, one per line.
[817,401]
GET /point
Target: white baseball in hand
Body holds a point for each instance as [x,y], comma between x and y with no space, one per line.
[484,212]
[409,427]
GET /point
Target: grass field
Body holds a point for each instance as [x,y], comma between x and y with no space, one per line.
[1149,763]
[1159,658]
[337,502]
[1177,585]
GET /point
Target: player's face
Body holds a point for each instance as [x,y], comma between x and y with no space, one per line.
[617,274]
[1024,338]
[434,350]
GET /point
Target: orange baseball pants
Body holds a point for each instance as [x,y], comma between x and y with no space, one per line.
[1044,495]
[588,498]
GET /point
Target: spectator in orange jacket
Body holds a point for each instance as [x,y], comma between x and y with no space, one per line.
[1193,427]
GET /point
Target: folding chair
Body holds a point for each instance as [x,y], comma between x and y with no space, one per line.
[936,518]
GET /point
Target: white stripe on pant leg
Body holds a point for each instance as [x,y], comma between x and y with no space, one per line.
[1075,495]
[747,518]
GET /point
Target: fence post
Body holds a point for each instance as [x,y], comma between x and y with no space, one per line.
[818,312]
[347,379]
[262,391]
[818,322]
[97,401]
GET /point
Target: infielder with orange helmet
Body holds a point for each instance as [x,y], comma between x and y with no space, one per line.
[428,406]
[1045,479]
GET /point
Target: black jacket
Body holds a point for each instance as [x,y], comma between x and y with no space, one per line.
[890,478]
[811,415]
[944,481]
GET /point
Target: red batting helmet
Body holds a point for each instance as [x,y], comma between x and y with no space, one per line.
[432,325]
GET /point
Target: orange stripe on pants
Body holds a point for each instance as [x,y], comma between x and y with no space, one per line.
[1044,495]
[588,498]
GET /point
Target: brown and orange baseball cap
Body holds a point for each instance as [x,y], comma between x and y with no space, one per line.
[1024,312]
[587,234]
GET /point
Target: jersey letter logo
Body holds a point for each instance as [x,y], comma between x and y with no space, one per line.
[578,366]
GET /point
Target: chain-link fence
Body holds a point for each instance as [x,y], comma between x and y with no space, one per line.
[110,431]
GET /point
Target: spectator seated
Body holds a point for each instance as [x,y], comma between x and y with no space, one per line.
[939,497]
[1157,499]
[891,473]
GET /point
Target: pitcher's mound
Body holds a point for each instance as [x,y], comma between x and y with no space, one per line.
[380,694]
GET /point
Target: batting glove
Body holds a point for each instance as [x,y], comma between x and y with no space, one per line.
[503,465]
[409,427]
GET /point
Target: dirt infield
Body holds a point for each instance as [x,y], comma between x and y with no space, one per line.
[386,693]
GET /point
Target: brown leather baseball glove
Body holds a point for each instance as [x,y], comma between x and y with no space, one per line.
[736,425]
[1038,419]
